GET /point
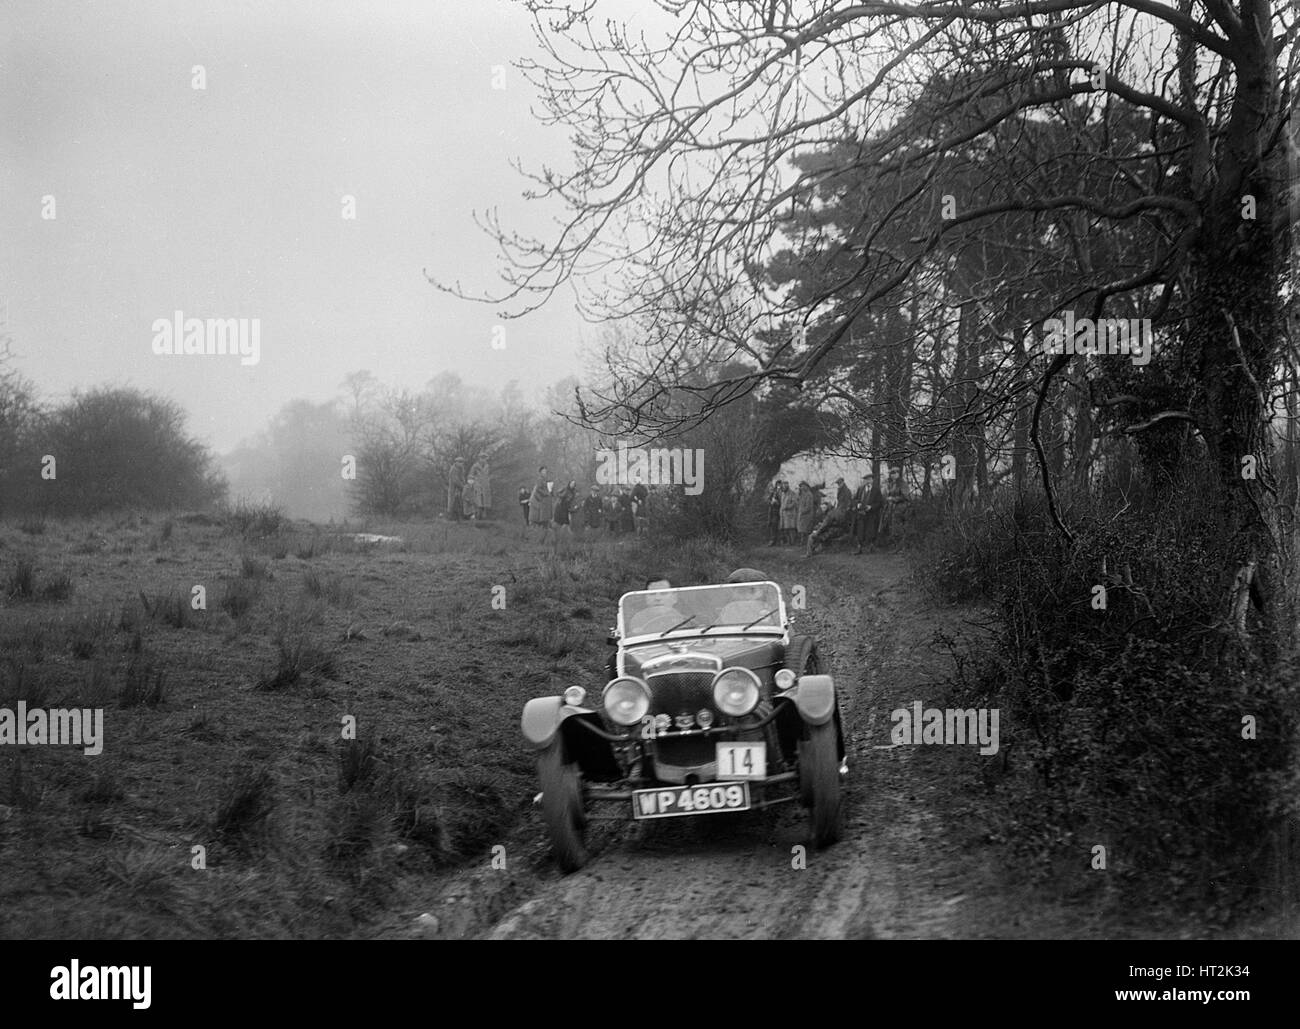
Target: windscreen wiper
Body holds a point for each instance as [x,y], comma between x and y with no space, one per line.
[760,618]
[680,625]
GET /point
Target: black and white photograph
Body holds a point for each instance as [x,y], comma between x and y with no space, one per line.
[731,470]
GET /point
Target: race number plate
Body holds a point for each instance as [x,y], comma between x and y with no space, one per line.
[742,760]
[709,799]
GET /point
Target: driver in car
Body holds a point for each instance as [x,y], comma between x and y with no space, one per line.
[749,603]
[660,612]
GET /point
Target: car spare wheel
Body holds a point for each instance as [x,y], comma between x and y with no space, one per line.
[819,781]
[562,808]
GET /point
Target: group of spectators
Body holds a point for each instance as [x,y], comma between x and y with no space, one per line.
[864,514]
[617,511]
[469,495]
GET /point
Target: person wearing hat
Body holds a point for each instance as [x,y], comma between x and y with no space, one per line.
[750,601]
[836,515]
[867,502]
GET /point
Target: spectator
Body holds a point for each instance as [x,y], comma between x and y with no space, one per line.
[843,497]
[626,516]
[895,498]
[456,490]
[564,503]
[835,516]
[789,513]
[867,502]
[541,503]
[774,512]
[483,489]
[640,506]
[591,510]
[806,512]
[467,499]
[611,513]
[523,505]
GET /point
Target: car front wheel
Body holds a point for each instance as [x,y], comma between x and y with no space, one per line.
[562,807]
[819,781]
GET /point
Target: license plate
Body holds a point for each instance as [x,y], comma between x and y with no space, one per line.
[707,799]
[742,760]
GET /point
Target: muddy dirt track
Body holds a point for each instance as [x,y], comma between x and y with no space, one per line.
[899,870]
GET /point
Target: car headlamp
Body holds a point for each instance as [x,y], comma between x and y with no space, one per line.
[626,700]
[574,696]
[785,678]
[736,691]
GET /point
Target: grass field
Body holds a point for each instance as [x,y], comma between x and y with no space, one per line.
[226,722]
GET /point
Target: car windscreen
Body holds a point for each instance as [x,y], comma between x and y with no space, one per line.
[752,605]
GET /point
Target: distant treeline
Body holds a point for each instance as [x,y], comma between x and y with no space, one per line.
[103,449]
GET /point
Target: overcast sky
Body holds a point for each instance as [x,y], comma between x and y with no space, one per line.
[226,202]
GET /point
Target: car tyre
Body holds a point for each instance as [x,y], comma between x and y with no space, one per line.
[819,781]
[562,807]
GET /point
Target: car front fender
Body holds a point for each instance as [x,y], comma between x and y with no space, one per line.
[815,698]
[543,717]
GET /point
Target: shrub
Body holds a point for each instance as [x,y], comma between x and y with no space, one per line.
[22,580]
[239,596]
[250,519]
[122,448]
[1130,713]
[144,683]
[245,806]
[296,657]
[171,608]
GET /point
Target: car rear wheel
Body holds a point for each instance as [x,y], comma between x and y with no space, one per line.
[562,808]
[819,781]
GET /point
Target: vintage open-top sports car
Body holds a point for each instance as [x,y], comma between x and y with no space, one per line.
[712,706]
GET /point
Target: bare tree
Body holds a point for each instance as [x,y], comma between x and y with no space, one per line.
[1164,125]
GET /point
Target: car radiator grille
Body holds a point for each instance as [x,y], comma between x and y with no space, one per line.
[675,693]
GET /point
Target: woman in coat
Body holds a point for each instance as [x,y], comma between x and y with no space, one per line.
[806,514]
[483,488]
[789,513]
[626,514]
[455,490]
[564,504]
[541,503]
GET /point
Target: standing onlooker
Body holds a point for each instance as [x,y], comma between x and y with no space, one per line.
[641,508]
[774,512]
[806,515]
[611,513]
[591,510]
[483,489]
[867,502]
[564,504]
[895,495]
[843,498]
[626,516]
[456,490]
[789,513]
[524,495]
[541,503]
[467,499]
